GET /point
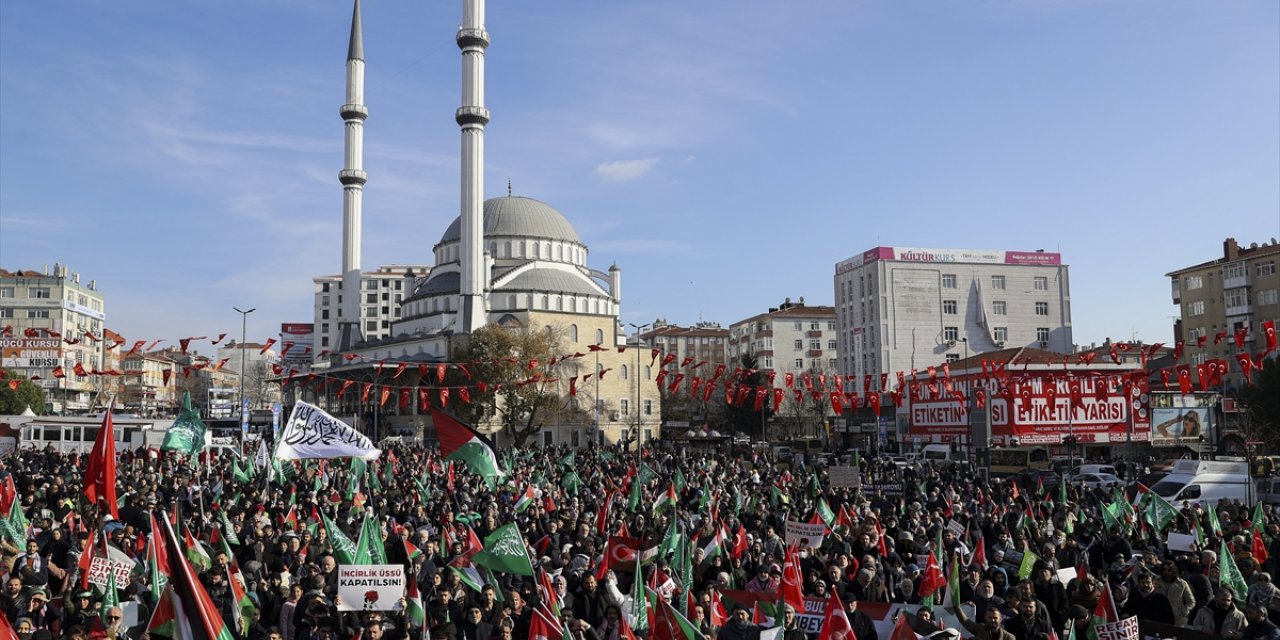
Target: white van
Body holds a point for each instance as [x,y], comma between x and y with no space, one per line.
[939,454]
[1211,488]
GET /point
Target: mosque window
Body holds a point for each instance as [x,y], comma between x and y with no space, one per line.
[536,253]
[573,332]
[546,302]
[511,301]
[624,372]
[559,303]
[599,336]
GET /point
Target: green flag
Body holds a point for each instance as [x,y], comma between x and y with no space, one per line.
[679,481]
[1029,560]
[370,549]
[1214,525]
[1159,512]
[671,543]
[111,596]
[186,435]
[639,603]
[229,532]
[505,551]
[1231,576]
[824,511]
[344,550]
[571,482]
[567,460]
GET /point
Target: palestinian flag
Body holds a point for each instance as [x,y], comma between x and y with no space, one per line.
[462,443]
[527,499]
[411,551]
[191,611]
[714,547]
[157,559]
[414,613]
[195,553]
[666,499]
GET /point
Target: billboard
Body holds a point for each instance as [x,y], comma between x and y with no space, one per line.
[1181,426]
[944,256]
[30,353]
[299,337]
[1038,409]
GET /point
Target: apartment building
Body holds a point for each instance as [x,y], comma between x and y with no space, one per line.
[1217,299]
[381,292]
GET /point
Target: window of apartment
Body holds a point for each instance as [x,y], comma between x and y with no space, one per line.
[6,312]
[324,341]
[997,282]
[1234,270]
[1042,283]
[1267,268]
[324,314]
[999,307]
[371,325]
[624,407]
[813,326]
[1266,297]
[953,357]
[949,307]
[1196,333]
[831,325]
[1042,334]
[324,301]
[766,362]
[799,363]
[1001,334]
[950,333]
[1195,308]
[324,287]
[1192,282]
[831,344]
[37,313]
[797,345]
[38,292]
[7,292]
[948,281]
[815,345]
[1042,308]
[1236,298]
[796,326]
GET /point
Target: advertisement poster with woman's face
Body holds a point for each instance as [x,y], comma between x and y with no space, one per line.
[1178,426]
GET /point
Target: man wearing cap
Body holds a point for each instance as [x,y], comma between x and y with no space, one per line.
[38,609]
[80,610]
[739,626]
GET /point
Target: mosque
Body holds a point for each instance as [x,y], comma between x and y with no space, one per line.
[511,260]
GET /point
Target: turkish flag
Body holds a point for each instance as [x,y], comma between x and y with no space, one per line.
[1202,373]
[835,625]
[1269,332]
[873,400]
[623,552]
[739,542]
[792,592]
[1184,378]
[58,372]
[100,474]
[932,580]
[1239,337]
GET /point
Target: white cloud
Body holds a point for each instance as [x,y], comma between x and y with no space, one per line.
[626,170]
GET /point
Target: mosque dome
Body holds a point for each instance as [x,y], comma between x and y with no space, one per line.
[518,216]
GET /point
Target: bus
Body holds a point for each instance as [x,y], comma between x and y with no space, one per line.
[76,434]
[1004,462]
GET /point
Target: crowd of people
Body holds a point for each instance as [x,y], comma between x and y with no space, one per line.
[1023,562]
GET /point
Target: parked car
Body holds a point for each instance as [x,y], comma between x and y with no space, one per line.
[1032,477]
[1097,480]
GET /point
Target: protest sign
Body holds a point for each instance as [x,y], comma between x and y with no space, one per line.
[1181,542]
[843,477]
[1126,629]
[805,535]
[100,568]
[370,587]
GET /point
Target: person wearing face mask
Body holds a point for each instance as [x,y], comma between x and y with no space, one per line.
[1147,603]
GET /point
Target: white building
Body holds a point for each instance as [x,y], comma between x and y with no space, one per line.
[900,308]
[381,293]
[48,314]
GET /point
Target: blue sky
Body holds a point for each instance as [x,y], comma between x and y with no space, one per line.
[726,154]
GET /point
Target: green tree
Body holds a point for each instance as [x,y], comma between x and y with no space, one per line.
[745,419]
[1262,400]
[522,389]
[27,394]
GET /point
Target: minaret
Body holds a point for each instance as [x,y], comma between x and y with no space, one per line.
[472,116]
[352,178]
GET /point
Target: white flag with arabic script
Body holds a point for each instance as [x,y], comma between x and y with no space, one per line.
[313,433]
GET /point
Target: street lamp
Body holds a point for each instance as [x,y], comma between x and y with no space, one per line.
[969,398]
[244,320]
[639,434]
